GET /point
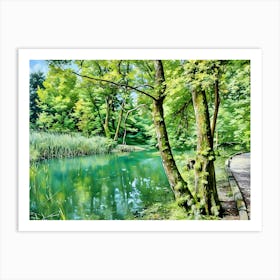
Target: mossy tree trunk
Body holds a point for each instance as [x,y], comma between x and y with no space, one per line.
[177,183]
[205,180]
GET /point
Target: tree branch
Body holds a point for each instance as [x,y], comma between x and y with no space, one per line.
[184,107]
[145,85]
[115,84]
[216,109]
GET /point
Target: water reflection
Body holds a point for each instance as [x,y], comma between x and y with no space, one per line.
[97,187]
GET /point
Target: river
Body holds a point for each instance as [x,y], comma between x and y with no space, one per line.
[107,187]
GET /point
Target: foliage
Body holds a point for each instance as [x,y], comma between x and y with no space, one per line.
[56,101]
[70,102]
[36,81]
[234,115]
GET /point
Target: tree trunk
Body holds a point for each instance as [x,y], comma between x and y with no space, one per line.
[98,112]
[205,181]
[177,183]
[119,121]
[123,102]
[217,140]
[107,117]
[126,116]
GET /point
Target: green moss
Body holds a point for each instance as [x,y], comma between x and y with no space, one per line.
[158,119]
[204,182]
[198,166]
[178,187]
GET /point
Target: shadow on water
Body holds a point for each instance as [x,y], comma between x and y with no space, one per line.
[107,187]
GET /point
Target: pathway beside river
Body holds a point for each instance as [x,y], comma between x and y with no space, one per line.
[238,168]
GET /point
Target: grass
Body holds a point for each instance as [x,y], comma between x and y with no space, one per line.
[172,211]
[45,145]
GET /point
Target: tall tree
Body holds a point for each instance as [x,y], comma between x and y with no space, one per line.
[36,81]
[177,183]
[200,80]
[57,101]
[205,179]
[123,69]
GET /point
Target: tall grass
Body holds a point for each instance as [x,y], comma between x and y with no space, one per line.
[45,145]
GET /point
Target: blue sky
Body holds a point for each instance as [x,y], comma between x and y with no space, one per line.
[38,65]
[42,65]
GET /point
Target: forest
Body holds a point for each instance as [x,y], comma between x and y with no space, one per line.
[135,139]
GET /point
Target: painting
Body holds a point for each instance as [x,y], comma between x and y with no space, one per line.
[139,140]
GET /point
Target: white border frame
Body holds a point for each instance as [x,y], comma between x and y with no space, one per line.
[254,224]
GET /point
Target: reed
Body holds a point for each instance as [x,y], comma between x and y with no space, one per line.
[45,145]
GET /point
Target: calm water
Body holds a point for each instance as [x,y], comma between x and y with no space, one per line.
[115,186]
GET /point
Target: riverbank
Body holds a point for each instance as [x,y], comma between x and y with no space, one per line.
[128,148]
[46,145]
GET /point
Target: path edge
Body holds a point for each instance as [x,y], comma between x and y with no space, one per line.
[237,195]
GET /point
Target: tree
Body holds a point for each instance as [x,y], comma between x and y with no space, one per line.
[205,180]
[88,110]
[56,101]
[36,81]
[200,78]
[123,69]
[177,183]
[234,115]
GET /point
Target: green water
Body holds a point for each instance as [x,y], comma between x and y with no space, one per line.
[107,187]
